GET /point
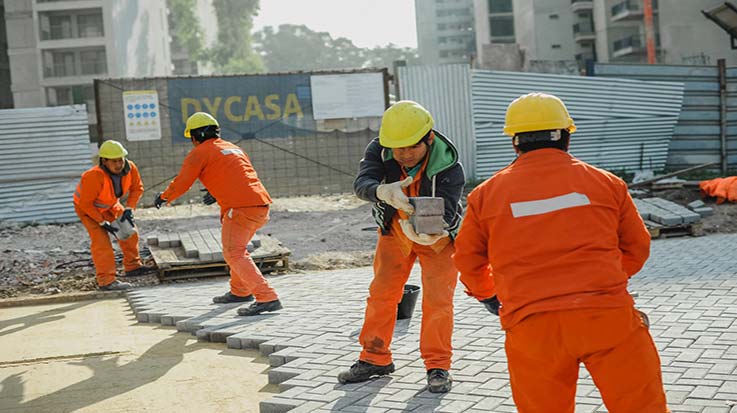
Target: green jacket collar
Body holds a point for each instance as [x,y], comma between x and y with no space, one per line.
[443,155]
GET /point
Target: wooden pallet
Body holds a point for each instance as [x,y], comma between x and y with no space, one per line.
[667,231]
[174,263]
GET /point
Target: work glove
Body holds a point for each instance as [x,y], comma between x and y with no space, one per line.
[159,201]
[207,198]
[393,195]
[422,239]
[128,216]
[109,228]
[491,304]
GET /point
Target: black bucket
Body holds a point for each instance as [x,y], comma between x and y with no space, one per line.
[409,299]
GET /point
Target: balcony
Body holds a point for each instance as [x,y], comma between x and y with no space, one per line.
[630,45]
[583,32]
[581,5]
[630,10]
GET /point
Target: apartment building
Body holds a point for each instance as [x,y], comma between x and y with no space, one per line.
[586,31]
[445,31]
[57,47]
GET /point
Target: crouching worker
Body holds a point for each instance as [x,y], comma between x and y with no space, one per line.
[409,159]
[231,181]
[97,203]
[557,240]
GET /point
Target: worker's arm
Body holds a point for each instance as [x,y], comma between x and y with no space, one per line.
[471,254]
[449,185]
[634,238]
[190,171]
[136,189]
[371,173]
[90,186]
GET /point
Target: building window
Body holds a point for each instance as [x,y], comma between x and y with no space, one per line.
[553,17]
[93,62]
[59,64]
[70,95]
[555,46]
[90,25]
[501,26]
[500,6]
[56,25]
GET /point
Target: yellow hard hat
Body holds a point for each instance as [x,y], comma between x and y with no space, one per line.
[199,120]
[404,124]
[112,150]
[537,112]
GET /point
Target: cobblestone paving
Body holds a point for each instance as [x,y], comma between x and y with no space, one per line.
[688,288]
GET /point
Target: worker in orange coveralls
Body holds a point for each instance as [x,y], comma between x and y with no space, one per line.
[97,203]
[230,179]
[409,159]
[556,240]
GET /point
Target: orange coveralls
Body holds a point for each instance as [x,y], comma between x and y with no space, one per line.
[393,261]
[95,202]
[228,175]
[556,240]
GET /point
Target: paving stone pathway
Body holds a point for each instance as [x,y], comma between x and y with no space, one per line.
[688,288]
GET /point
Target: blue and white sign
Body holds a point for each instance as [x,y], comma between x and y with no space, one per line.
[141,111]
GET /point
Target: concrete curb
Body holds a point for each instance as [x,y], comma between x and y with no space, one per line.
[61,298]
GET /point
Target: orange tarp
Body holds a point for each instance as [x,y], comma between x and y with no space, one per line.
[723,189]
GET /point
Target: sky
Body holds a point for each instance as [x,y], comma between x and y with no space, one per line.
[368,23]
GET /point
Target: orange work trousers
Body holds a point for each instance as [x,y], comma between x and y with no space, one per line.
[545,349]
[391,271]
[101,248]
[239,226]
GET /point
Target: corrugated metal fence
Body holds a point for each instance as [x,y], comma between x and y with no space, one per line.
[44,152]
[623,124]
[445,91]
[696,139]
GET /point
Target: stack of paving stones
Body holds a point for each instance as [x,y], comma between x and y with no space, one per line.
[700,208]
[688,288]
[205,244]
[665,212]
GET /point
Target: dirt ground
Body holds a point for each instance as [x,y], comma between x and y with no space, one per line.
[328,232]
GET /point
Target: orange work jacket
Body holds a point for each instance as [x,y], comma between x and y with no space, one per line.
[226,172]
[95,193]
[550,232]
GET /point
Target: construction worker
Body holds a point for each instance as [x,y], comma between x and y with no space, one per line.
[409,158]
[97,203]
[549,243]
[226,171]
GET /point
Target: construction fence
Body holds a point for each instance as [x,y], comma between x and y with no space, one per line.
[304,133]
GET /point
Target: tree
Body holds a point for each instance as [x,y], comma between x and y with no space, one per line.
[233,52]
[297,47]
[186,30]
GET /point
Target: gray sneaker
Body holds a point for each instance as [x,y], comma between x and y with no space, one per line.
[257,308]
[439,381]
[116,286]
[362,371]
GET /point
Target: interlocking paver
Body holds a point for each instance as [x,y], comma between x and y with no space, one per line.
[688,288]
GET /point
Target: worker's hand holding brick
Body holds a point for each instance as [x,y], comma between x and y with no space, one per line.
[393,195]
[422,239]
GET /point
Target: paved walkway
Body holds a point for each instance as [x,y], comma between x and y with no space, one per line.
[688,288]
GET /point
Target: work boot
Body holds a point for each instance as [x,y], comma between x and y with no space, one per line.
[143,270]
[257,308]
[116,286]
[439,381]
[231,298]
[362,371]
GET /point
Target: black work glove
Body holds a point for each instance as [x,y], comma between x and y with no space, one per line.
[128,216]
[207,198]
[109,228]
[159,201]
[491,304]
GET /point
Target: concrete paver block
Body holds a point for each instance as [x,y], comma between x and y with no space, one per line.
[427,205]
[428,224]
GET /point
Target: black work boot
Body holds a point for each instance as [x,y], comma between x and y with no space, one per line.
[258,308]
[439,381]
[231,298]
[362,371]
[116,286]
[140,271]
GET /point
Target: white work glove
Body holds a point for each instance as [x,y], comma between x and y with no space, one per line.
[422,239]
[393,195]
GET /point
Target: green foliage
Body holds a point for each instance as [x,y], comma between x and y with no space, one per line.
[233,52]
[185,27]
[297,47]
